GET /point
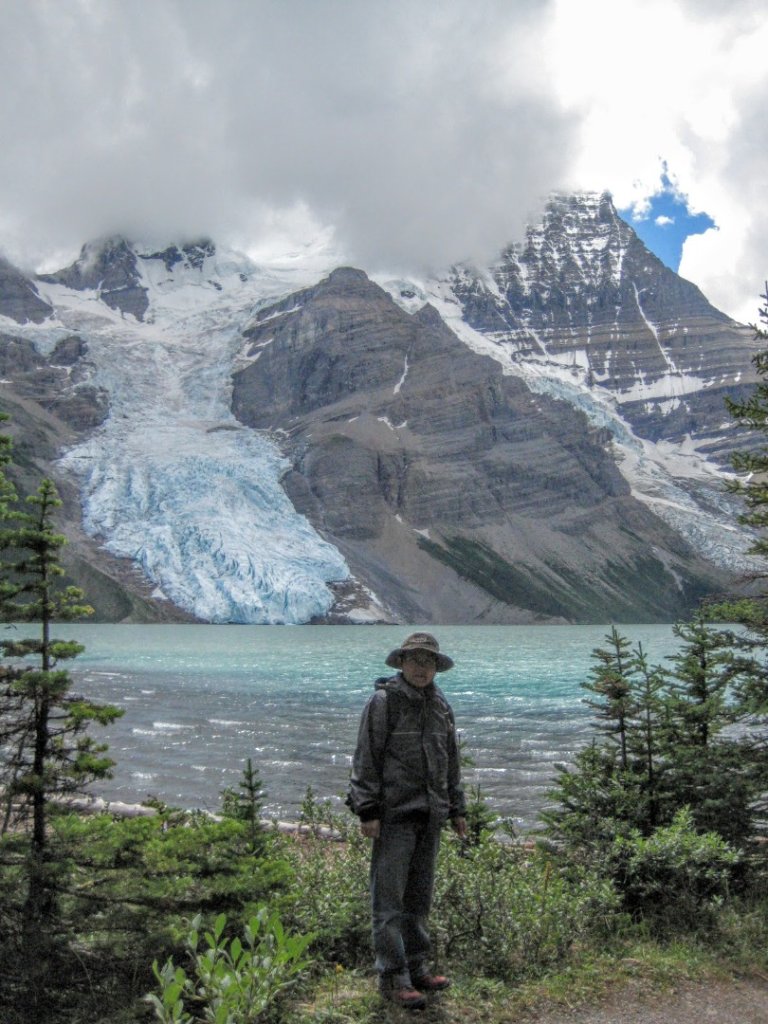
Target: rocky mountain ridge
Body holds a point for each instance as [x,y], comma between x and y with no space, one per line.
[584,290]
[538,440]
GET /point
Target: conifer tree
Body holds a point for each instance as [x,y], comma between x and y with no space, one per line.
[708,769]
[698,699]
[648,715]
[611,683]
[45,752]
[609,790]
[246,804]
[7,491]
[664,747]
[753,414]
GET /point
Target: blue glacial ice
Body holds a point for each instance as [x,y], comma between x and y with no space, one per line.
[174,482]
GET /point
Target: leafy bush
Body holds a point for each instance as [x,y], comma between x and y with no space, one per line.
[230,981]
[506,912]
[331,899]
[676,875]
[498,910]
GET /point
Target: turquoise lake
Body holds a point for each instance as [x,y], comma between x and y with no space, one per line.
[199,700]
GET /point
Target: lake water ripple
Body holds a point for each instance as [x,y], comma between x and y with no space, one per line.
[199,700]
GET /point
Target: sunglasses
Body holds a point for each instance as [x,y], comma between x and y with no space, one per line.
[421,658]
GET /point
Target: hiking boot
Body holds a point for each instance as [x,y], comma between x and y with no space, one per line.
[405,998]
[431,982]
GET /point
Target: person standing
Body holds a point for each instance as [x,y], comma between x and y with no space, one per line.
[405,783]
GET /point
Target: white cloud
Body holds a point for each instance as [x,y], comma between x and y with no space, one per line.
[422,132]
[664,221]
[681,83]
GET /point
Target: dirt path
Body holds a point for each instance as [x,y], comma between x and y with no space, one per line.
[742,1001]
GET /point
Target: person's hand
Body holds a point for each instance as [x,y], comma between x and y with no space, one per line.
[371,829]
[460,827]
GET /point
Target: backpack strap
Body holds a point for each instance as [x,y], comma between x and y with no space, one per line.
[394,704]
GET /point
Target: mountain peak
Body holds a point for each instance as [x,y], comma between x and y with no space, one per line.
[478,449]
[348,275]
[192,253]
[107,266]
[19,298]
[131,276]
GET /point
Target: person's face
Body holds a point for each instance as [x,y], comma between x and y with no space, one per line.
[419,668]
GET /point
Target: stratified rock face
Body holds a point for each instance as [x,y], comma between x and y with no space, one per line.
[19,299]
[110,269]
[583,291]
[538,440]
[56,384]
[453,491]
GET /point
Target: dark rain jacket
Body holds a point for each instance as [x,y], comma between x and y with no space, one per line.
[407,756]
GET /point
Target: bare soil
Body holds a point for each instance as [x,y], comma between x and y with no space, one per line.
[738,1001]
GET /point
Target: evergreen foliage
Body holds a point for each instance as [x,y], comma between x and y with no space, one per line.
[246,804]
[46,752]
[668,746]
[752,413]
[708,769]
[612,685]
[7,490]
[645,736]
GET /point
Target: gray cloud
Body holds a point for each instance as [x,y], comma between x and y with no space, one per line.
[423,131]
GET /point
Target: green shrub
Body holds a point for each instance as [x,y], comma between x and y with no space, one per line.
[498,910]
[125,890]
[231,981]
[330,898]
[510,913]
[676,875]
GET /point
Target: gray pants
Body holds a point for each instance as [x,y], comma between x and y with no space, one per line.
[402,879]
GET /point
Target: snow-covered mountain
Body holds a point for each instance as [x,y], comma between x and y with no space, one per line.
[170,480]
[286,442]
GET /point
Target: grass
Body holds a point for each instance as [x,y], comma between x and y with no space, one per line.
[632,965]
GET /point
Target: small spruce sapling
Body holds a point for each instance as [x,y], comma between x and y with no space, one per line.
[246,804]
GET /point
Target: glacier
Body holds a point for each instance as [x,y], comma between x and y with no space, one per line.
[171,480]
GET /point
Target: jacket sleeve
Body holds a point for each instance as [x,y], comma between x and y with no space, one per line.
[365,796]
[457,802]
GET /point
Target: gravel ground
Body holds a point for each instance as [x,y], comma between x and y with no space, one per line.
[742,1001]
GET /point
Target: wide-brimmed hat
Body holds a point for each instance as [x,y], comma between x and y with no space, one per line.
[419,642]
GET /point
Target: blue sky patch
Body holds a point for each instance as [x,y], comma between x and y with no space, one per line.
[667,222]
